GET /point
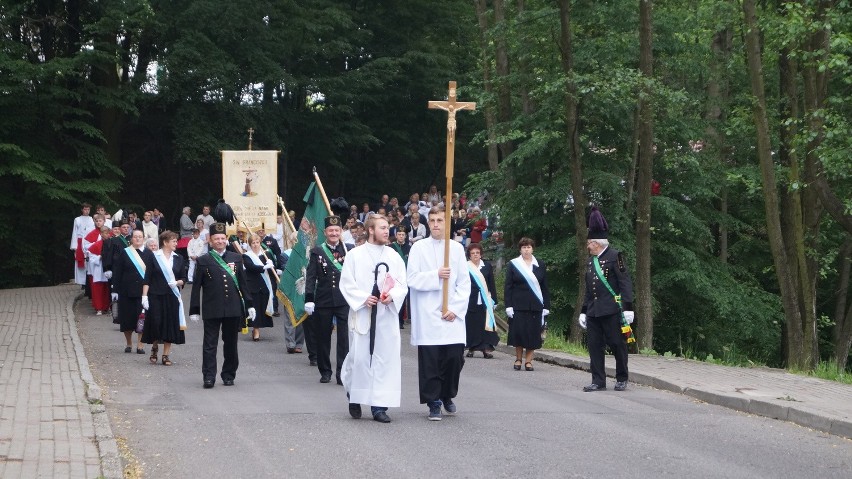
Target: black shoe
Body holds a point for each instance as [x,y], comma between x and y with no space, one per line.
[339,381]
[326,378]
[620,386]
[228,382]
[355,410]
[593,387]
[209,383]
[128,349]
[381,416]
[313,362]
[291,350]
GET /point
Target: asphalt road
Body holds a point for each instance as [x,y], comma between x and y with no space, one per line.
[279,421]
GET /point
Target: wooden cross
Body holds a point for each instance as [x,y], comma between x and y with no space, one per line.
[250,132]
[451,106]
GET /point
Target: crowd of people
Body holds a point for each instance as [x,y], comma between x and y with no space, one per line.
[378,267]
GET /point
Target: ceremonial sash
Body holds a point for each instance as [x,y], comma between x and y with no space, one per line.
[330,255]
[256,260]
[528,275]
[269,253]
[136,260]
[124,240]
[399,250]
[221,262]
[479,279]
[170,278]
[601,277]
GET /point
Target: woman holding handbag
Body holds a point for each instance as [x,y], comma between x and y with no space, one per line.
[165,321]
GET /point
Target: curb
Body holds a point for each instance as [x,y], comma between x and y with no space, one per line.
[107,446]
[837,427]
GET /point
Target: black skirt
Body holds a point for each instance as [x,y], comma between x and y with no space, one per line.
[525,330]
[128,312]
[260,299]
[162,323]
[478,339]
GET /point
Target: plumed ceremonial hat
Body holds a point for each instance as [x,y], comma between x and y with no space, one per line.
[217,229]
[333,220]
[598,228]
[223,213]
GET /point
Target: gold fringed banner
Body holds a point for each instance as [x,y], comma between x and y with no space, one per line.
[250,186]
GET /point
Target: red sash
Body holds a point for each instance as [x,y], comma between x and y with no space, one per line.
[78,254]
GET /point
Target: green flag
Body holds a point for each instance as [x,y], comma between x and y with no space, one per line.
[310,234]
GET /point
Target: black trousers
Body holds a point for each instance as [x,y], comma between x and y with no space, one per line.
[603,331]
[322,324]
[309,326]
[230,328]
[439,369]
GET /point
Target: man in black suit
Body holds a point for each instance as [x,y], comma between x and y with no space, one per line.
[324,301]
[226,303]
[602,310]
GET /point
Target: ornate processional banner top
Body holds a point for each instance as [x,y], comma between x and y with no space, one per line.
[250,186]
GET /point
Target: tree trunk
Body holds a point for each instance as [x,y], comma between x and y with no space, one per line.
[526,79]
[718,93]
[798,357]
[487,107]
[643,303]
[574,155]
[504,91]
[842,336]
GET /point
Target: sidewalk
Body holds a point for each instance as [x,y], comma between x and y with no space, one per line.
[811,402]
[52,422]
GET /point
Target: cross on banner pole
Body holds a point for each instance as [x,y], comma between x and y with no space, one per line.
[451,106]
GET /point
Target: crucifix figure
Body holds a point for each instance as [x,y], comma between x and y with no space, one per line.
[250,132]
[451,106]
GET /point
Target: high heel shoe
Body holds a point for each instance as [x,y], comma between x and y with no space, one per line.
[517,365]
[255,336]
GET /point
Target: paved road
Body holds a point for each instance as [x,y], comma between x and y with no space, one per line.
[279,421]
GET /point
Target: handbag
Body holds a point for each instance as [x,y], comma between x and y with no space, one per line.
[140,322]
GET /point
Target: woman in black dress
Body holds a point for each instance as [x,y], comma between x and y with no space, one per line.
[261,282]
[527,302]
[128,275]
[165,322]
[481,330]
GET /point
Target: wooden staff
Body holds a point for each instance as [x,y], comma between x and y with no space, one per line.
[451,106]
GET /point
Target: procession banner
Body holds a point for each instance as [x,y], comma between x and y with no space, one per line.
[250,186]
[310,234]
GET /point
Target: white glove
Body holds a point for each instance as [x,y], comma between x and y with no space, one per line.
[194,317]
[114,297]
[268,265]
[309,308]
[145,303]
[108,274]
[545,312]
[510,312]
[172,284]
[252,314]
[279,272]
[628,316]
[583,321]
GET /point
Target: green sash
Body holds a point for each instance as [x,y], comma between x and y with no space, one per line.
[399,250]
[601,276]
[331,257]
[124,240]
[269,253]
[225,266]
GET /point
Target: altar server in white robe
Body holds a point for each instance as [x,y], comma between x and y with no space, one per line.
[440,337]
[83,224]
[375,380]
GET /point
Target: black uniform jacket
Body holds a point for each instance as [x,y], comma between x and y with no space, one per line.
[222,298]
[488,274]
[272,244]
[322,279]
[599,301]
[126,280]
[112,247]
[517,293]
[157,284]
[254,274]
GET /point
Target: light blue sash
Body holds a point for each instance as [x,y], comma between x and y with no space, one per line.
[490,322]
[170,278]
[532,281]
[136,260]
[256,260]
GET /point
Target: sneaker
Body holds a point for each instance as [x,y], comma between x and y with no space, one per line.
[435,412]
[450,406]
[99,313]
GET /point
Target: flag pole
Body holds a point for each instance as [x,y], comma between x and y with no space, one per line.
[327,204]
